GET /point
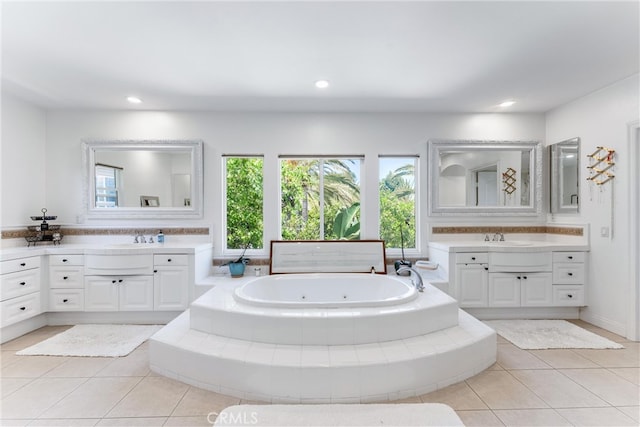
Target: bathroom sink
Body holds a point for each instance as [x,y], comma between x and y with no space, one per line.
[510,243]
[133,245]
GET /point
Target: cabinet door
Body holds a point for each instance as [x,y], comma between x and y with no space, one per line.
[504,290]
[170,290]
[536,289]
[472,285]
[136,293]
[100,293]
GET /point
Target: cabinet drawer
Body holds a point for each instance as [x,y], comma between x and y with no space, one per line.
[567,257]
[66,277]
[472,258]
[519,262]
[66,300]
[568,274]
[21,308]
[19,264]
[568,295]
[19,283]
[118,265]
[170,259]
[66,259]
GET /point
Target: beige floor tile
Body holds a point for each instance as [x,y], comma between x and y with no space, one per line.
[606,385]
[414,399]
[630,374]
[64,422]
[502,340]
[628,357]
[253,402]
[39,395]
[459,396]
[190,421]
[151,397]
[557,390]
[133,422]
[479,419]
[80,367]
[631,411]
[135,364]
[93,399]
[495,367]
[512,357]
[14,423]
[531,417]
[600,417]
[9,385]
[500,390]
[563,359]
[32,366]
[604,333]
[8,357]
[202,402]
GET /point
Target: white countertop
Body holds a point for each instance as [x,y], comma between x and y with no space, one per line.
[105,248]
[508,246]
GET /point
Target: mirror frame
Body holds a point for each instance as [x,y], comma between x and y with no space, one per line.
[555,192]
[89,148]
[437,146]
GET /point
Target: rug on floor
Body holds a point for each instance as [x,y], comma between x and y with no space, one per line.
[547,334]
[93,341]
[399,414]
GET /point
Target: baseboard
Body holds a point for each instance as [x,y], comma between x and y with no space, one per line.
[524,313]
[138,317]
[16,330]
[604,323]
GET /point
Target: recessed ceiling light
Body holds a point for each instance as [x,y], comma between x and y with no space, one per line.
[322,84]
[506,104]
[134,99]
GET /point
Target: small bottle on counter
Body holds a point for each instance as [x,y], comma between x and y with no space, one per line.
[160,237]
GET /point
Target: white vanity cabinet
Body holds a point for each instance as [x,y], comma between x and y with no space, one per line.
[118,282]
[520,279]
[170,282]
[569,278]
[66,282]
[471,274]
[19,289]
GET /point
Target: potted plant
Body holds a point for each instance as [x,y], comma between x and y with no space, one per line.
[236,267]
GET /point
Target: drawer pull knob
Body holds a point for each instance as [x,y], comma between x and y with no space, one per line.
[120,281]
[169,259]
[23,283]
[65,300]
[524,277]
[65,277]
[113,281]
[23,308]
[570,257]
[472,258]
[569,296]
[64,260]
[518,277]
[486,268]
[155,271]
[22,264]
[570,274]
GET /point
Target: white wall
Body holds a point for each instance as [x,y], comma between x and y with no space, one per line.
[24,162]
[601,119]
[271,135]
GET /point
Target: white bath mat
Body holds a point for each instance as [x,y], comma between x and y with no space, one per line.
[93,341]
[401,414]
[544,334]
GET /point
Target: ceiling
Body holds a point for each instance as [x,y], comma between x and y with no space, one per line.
[431,56]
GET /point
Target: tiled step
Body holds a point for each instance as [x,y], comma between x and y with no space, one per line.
[323,374]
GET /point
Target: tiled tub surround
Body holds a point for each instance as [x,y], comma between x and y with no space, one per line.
[358,354]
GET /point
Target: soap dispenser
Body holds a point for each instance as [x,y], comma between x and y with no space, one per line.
[160,237]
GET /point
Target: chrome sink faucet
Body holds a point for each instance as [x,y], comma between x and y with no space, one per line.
[418,283]
[139,238]
[498,237]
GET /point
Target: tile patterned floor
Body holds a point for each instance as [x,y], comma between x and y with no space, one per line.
[524,388]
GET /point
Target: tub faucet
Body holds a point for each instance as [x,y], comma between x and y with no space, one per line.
[418,283]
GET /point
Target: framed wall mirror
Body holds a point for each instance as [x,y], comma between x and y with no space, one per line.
[565,181]
[485,177]
[143,179]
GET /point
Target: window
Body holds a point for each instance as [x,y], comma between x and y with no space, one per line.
[108,185]
[244,202]
[320,198]
[398,201]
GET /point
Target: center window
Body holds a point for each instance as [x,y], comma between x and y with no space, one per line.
[320,198]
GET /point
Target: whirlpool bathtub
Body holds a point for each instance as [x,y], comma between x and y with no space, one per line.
[325,290]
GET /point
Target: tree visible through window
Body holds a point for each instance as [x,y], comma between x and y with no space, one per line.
[397,201]
[320,198]
[244,201]
[108,183]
